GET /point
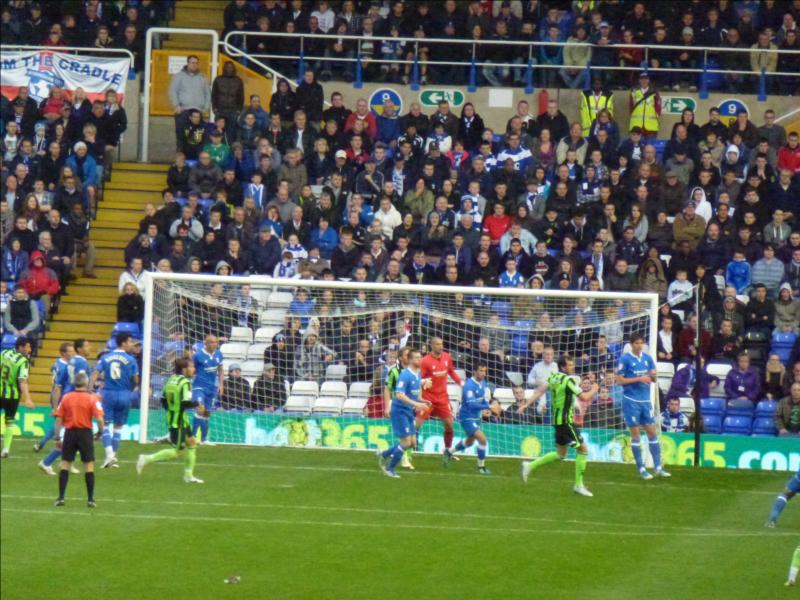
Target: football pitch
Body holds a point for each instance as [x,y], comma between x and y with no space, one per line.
[326,524]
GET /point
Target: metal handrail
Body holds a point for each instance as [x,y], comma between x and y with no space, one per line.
[489,42]
[529,45]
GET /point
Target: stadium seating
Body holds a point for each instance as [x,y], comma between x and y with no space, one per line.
[766,408]
[764,426]
[241,334]
[234,350]
[712,423]
[687,405]
[738,425]
[335,372]
[265,334]
[712,407]
[337,389]
[740,408]
[328,405]
[273,317]
[782,345]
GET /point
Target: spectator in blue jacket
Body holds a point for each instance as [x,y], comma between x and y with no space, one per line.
[738,273]
[15,260]
[324,237]
[85,168]
[551,55]
[388,123]
[265,252]
[743,381]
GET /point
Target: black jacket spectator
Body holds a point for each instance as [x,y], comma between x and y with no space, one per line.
[310,97]
[130,308]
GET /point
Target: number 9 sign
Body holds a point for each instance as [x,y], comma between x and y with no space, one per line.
[729,108]
[382,95]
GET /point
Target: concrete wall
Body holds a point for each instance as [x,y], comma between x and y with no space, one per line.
[496,106]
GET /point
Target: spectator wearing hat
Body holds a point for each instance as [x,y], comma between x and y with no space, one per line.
[236,394]
[645,107]
[787,310]
[689,226]
[680,164]
[85,169]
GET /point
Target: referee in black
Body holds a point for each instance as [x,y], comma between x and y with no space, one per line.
[74,415]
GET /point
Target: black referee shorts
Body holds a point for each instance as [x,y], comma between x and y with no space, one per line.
[568,435]
[78,440]
[9,407]
[179,435]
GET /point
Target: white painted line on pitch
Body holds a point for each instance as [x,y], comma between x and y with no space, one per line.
[97,514]
[661,486]
[386,511]
[640,485]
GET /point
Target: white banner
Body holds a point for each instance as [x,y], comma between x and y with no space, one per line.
[42,70]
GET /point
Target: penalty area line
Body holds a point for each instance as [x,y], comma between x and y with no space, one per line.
[373,525]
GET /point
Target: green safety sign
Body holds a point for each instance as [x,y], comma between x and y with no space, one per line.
[677,104]
[433,97]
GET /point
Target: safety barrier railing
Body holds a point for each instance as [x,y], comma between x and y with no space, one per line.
[529,61]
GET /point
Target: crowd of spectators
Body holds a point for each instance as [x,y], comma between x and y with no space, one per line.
[597,28]
[56,155]
[90,24]
[299,189]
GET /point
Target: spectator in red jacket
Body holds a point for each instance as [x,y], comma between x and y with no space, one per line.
[789,155]
[497,223]
[362,113]
[39,281]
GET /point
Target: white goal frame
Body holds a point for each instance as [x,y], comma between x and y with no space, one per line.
[152,280]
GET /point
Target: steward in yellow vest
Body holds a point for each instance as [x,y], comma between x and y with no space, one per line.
[592,102]
[645,106]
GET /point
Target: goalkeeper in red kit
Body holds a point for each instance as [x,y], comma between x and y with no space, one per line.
[436,366]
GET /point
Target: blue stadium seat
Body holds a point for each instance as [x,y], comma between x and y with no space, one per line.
[740,408]
[660,146]
[712,423]
[127,327]
[503,309]
[8,341]
[782,344]
[766,408]
[713,407]
[737,425]
[764,426]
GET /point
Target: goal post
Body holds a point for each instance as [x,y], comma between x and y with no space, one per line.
[330,342]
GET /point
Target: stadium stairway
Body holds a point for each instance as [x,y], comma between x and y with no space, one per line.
[199,14]
[89,310]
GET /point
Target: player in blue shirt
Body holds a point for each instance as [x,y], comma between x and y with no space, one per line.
[791,490]
[636,372]
[208,383]
[79,362]
[60,374]
[120,380]
[405,401]
[473,403]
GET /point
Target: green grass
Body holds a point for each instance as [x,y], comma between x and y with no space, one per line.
[316,524]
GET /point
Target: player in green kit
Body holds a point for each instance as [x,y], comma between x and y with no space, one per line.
[14,366]
[388,392]
[794,568]
[177,399]
[564,391]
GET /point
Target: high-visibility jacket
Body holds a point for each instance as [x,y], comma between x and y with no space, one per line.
[643,111]
[591,105]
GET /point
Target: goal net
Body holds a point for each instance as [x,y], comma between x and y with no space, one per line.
[304,361]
